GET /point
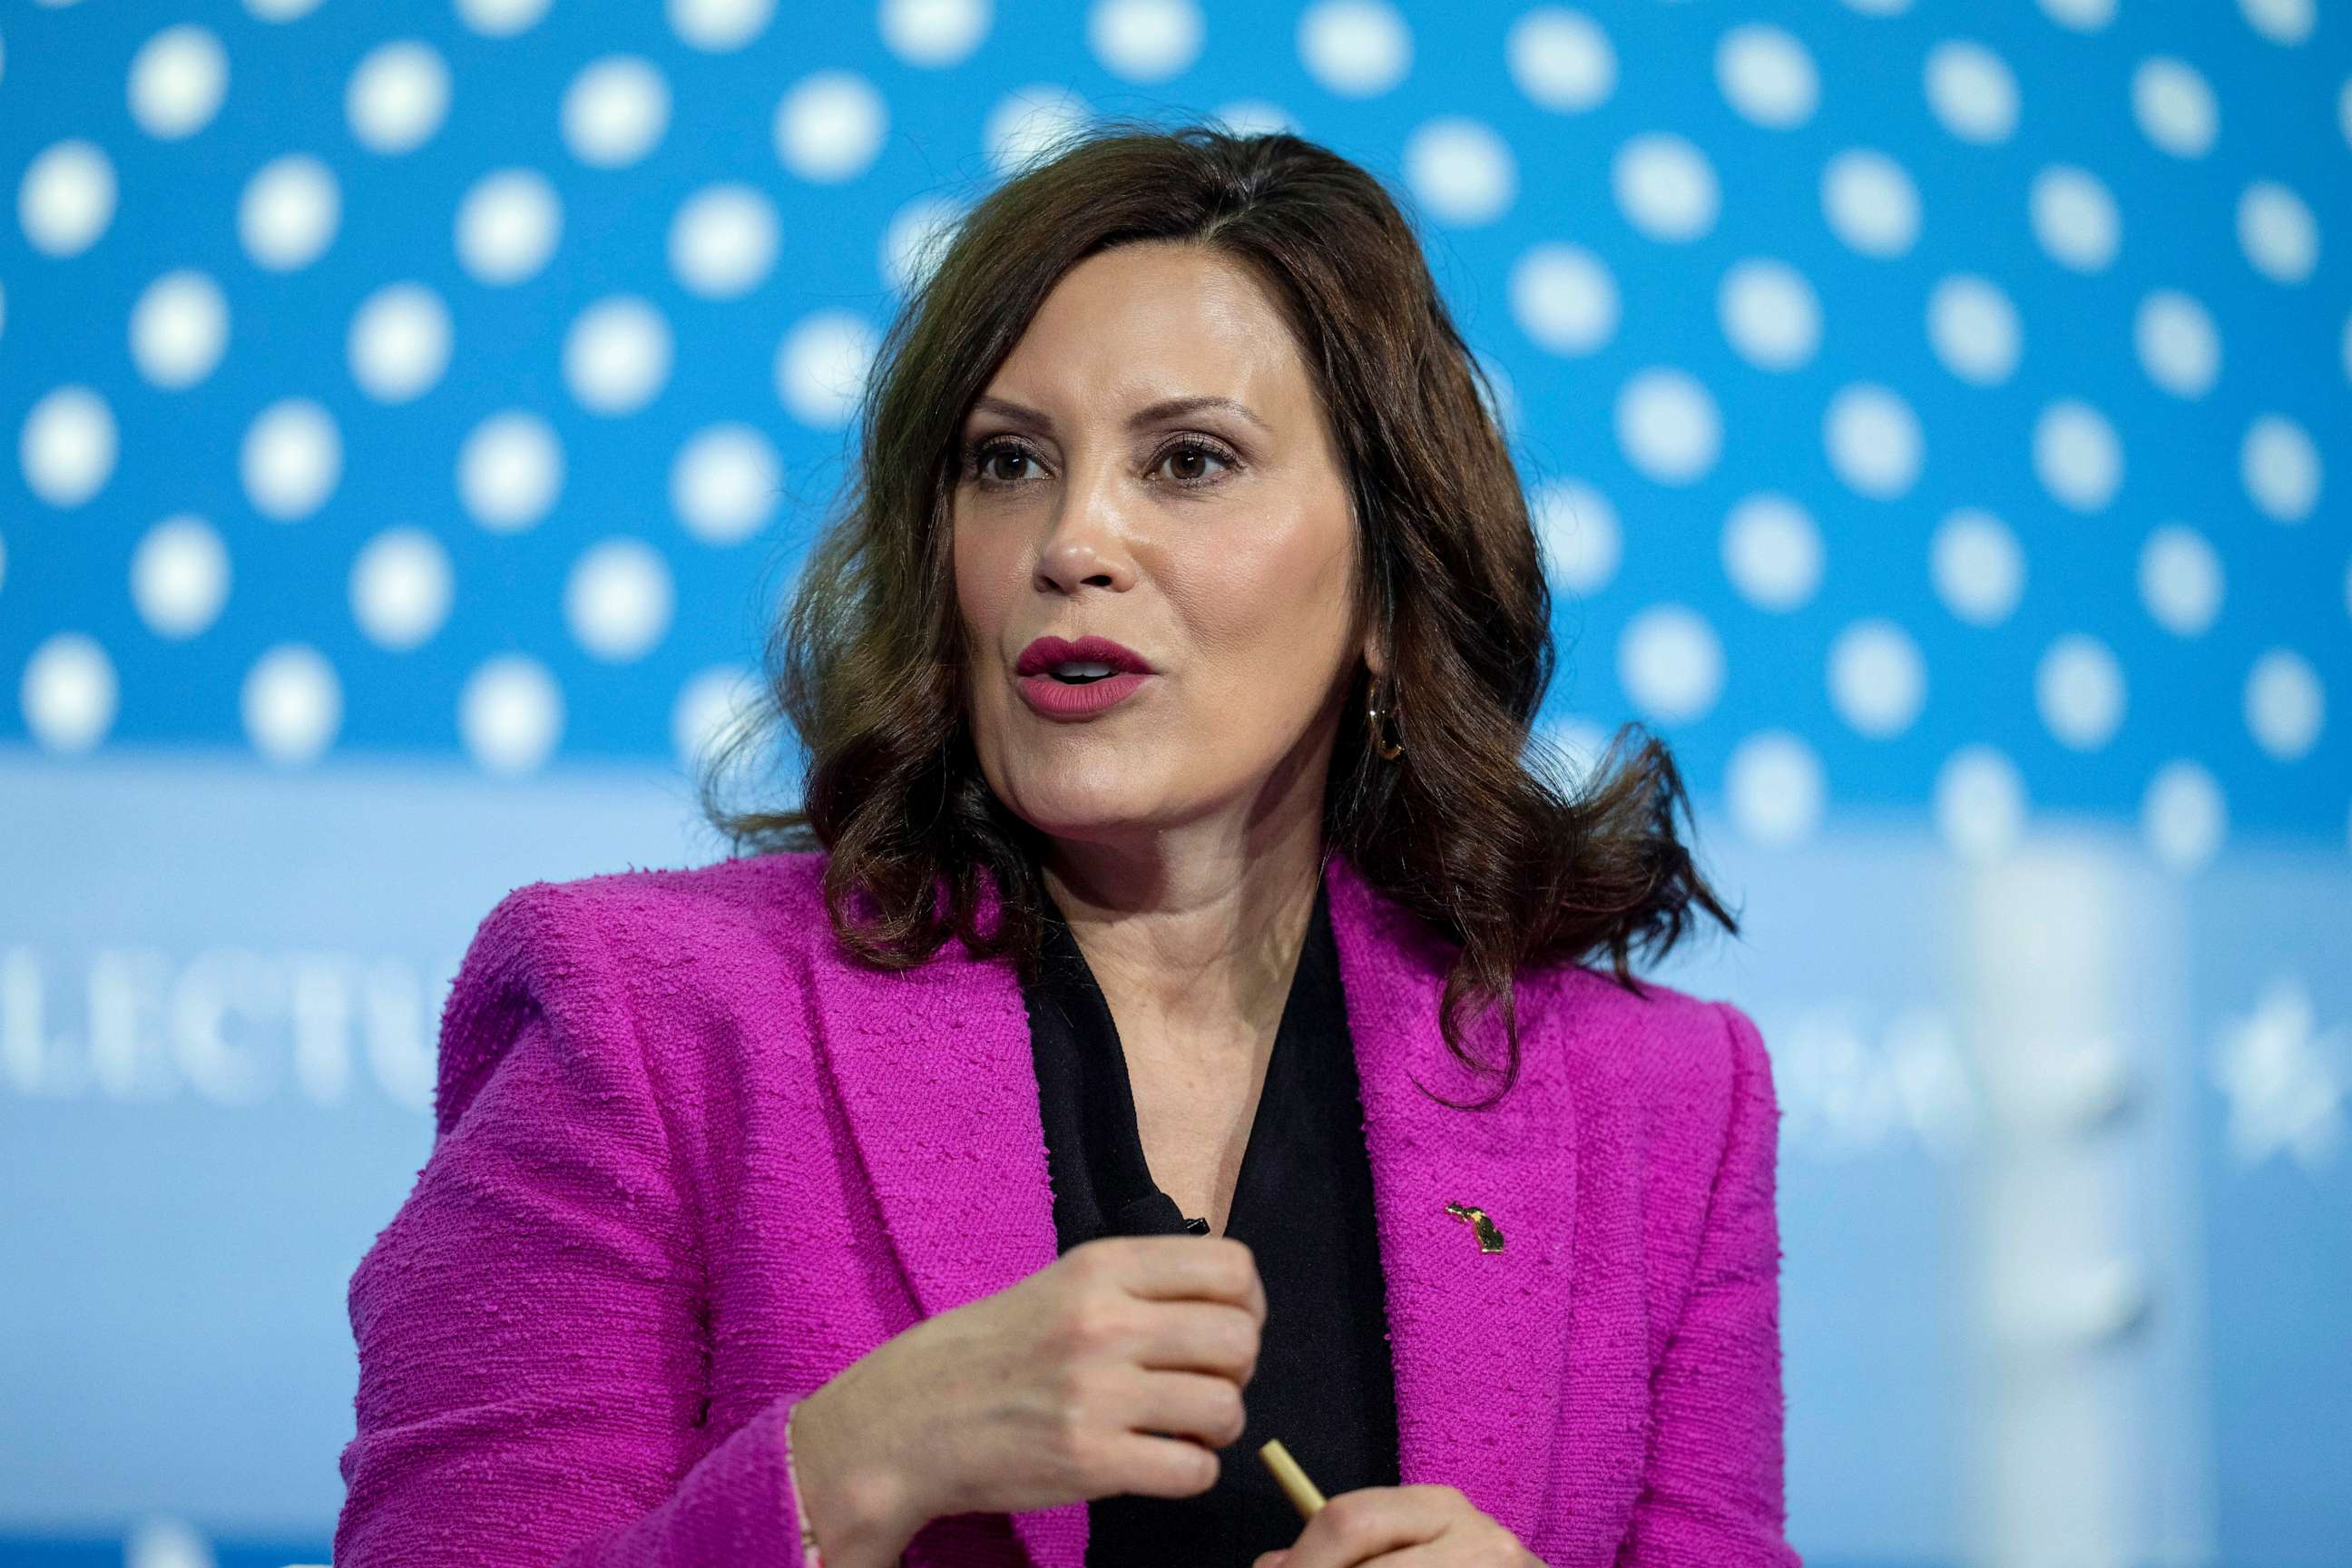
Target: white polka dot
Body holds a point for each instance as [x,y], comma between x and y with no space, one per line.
[1664,186]
[509,715]
[501,18]
[1354,48]
[1668,424]
[2082,16]
[1871,203]
[1561,59]
[291,459]
[2074,219]
[1877,680]
[615,110]
[1879,8]
[508,226]
[2079,688]
[69,693]
[618,599]
[1460,171]
[267,10]
[1873,439]
[2279,465]
[719,26]
[288,213]
[1670,664]
[617,355]
[1563,298]
[68,445]
[398,97]
[723,483]
[1577,527]
[934,32]
[399,342]
[2280,21]
[2285,704]
[2179,580]
[1766,75]
[291,703]
[1145,40]
[722,243]
[67,197]
[2174,107]
[1774,788]
[1770,314]
[179,329]
[1971,91]
[2343,111]
[2176,343]
[1030,122]
[711,710]
[401,588]
[2277,232]
[2182,817]
[1980,803]
[180,576]
[822,366]
[178,79]
[510,471]
[829,127]
[2076,455]
[1974,330]
[918,240]
[1773,552]
[1977,566]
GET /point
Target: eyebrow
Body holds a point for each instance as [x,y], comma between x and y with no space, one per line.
[1150,414]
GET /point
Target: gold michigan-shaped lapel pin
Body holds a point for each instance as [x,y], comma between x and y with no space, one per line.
[1489,1238]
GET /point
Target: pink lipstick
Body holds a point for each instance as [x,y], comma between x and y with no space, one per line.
[1064,679]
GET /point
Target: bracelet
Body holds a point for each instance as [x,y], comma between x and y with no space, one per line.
[810,1556]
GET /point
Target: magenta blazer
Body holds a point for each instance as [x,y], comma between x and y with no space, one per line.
[689,1161]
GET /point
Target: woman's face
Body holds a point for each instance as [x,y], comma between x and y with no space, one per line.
[1215,542]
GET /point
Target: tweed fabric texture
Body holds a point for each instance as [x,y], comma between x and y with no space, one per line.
[689,1161]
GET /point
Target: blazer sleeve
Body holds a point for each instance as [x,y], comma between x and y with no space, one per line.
[1712,1491]
[531,1326]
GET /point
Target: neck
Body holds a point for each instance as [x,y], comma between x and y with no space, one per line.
[1191,946]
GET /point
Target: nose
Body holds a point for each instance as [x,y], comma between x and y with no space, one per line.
[1086,544]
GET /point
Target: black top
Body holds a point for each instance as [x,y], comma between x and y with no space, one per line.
[1303,1202]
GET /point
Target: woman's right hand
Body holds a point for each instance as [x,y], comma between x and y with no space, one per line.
[1116,1368]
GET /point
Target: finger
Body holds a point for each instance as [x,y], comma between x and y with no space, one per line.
[1191,1403]
[1182,1268]
[1359,1526]
[1151,1466]
[1201,1336]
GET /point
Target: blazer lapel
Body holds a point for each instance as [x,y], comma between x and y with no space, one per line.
[935,1080]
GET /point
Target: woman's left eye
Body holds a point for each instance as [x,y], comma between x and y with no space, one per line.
[1193,449]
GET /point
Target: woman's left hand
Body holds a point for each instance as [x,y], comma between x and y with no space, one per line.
[1422,1526]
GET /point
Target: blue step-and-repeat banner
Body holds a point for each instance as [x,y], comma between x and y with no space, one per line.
[1939,420]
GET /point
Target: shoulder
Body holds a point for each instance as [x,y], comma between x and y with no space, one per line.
[1682,1065]
[635,960]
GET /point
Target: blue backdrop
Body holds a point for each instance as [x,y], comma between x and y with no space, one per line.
[1938,419]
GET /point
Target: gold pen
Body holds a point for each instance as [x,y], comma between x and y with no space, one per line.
[1291,1478]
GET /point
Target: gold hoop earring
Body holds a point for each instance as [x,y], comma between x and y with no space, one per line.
[1372,722]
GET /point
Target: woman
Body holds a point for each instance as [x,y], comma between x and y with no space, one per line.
[1262,1090]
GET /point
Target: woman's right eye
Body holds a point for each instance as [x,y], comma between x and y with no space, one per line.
[979,458]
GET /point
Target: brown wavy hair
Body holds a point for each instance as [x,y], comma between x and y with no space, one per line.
[1479,828]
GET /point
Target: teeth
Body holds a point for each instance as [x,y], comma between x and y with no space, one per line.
[1096,668]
